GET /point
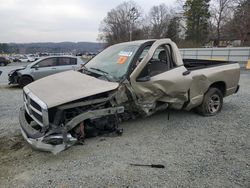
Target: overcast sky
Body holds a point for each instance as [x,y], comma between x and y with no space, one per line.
[57,20]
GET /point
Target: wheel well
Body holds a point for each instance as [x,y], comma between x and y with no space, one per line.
[26,75]
[221,86]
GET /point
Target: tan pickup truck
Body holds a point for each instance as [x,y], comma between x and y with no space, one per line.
[124,81]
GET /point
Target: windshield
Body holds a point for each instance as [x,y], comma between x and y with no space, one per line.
[113,62]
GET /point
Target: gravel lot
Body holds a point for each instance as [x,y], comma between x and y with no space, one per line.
[196,151]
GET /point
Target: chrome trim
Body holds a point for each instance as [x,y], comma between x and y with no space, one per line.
[41,141]
[29,107]
[37,111]
[55,149]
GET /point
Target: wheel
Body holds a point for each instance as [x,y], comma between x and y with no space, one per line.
[24,80]
[2,64]
[212,103]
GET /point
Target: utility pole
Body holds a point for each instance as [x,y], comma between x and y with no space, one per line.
[133,15]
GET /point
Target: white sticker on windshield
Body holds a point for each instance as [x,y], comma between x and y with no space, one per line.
[124,53]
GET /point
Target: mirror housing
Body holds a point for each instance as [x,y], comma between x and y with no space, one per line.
[186,73]
[36,66]
[143,79]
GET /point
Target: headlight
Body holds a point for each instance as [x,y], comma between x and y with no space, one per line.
[11,72]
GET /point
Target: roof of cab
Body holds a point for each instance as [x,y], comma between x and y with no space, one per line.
[137,42]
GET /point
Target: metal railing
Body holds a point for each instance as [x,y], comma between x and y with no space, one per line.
[239,54]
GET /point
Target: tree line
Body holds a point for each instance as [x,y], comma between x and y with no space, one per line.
[192,23]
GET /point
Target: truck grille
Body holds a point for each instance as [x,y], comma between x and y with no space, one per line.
[35,108]
[35,105]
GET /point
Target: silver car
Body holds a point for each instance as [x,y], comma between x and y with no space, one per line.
[44,67]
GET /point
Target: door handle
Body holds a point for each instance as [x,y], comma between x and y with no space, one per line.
[186,73]
[53,68]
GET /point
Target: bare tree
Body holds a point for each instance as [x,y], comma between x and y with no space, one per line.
[159,18]
[221,13]
[120,22]
[239,25]
[174,29]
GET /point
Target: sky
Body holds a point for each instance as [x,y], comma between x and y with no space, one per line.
[24,21]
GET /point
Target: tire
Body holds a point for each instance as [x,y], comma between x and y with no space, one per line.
[24,80]
[2,64]
[212,103]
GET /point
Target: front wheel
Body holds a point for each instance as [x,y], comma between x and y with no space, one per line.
[212,103]
[24,80]
[2,64]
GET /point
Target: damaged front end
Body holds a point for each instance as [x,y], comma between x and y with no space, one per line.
[55,130]
[13,76]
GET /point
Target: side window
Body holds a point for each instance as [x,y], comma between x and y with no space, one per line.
[73,61]
[62,61]
[144,52]
[49,62]
[160,55]
[159,62]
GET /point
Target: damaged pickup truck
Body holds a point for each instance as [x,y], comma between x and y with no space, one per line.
[124,81]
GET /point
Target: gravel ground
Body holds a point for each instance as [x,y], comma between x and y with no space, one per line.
[196,151]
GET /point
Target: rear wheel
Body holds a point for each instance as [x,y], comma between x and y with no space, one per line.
[2,64]
[24,80]
[212,103]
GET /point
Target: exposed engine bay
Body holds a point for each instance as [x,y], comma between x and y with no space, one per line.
[71,123]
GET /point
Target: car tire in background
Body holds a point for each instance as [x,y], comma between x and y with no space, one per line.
[24,80]
[2,64]
[212,102]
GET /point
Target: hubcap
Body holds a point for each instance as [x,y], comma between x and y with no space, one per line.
[214,103]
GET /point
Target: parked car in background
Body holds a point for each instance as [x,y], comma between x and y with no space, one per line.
[32,57]
[24,59]
[4,61]
[43,67]
[15,58]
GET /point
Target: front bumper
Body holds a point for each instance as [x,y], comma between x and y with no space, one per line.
[13,78]
[38,140]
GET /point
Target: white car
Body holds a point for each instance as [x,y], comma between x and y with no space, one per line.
[28,58]
[44,67]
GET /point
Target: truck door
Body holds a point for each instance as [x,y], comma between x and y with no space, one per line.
[161,76]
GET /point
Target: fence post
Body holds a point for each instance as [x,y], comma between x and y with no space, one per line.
[229,50]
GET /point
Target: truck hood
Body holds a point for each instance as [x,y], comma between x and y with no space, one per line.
[68,86]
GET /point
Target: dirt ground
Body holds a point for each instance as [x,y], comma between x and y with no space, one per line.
[196,151]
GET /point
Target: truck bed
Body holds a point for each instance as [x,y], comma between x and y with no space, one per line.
[194,64]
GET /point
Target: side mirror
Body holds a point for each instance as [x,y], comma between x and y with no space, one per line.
[186,73]
[36,66]
[143,79]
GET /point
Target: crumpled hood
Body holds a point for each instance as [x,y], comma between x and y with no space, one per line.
[15,70]
[68,86]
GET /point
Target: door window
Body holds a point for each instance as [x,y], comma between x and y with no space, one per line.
[62,61]
[49,62]
[159,62]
